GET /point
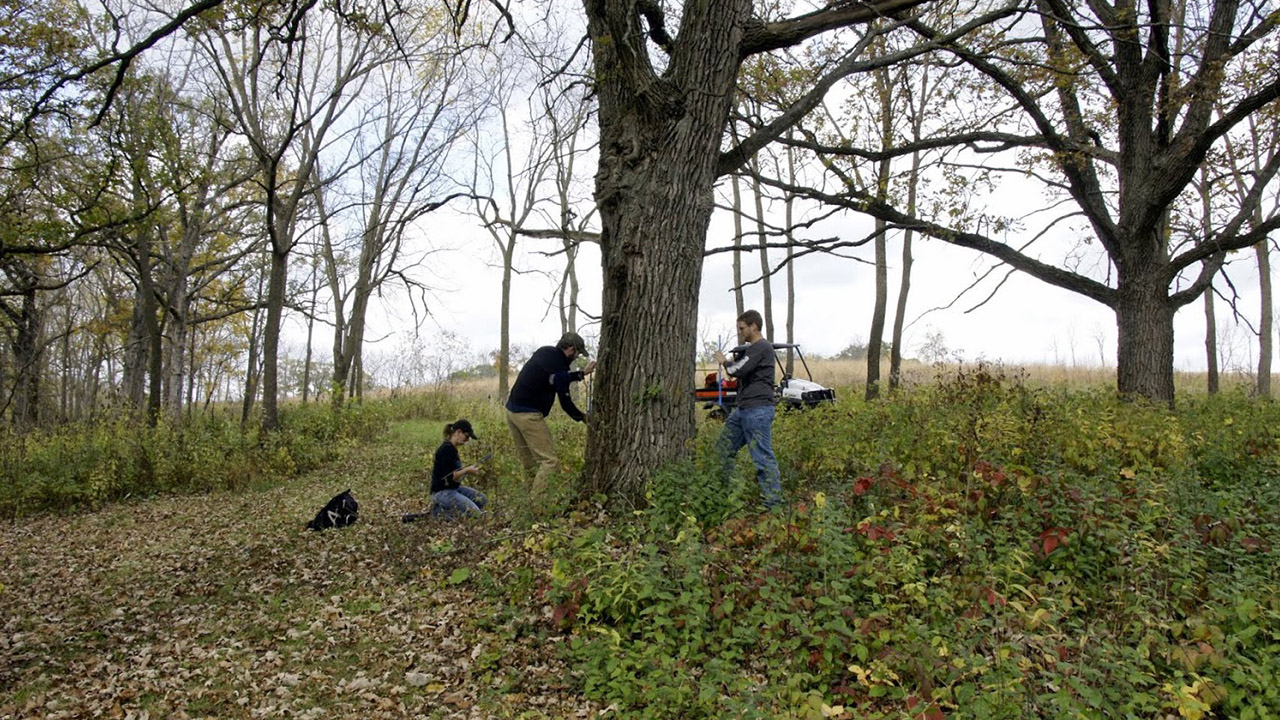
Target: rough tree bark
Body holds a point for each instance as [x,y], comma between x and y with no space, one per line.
[27,356]
[659,144]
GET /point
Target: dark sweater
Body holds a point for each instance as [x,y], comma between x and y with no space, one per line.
[544,377]
[446,462]
[753,367]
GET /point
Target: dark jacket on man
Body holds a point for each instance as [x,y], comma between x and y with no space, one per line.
[544,377]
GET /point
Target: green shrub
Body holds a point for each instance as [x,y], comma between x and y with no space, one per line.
[84,465]
[974,549]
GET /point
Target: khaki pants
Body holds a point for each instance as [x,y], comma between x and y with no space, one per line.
[533,444]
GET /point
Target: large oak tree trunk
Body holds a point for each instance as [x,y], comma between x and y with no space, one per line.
[652,258]
[1144,320]
[660,141]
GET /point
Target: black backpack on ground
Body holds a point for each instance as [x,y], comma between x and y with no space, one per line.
[341,511]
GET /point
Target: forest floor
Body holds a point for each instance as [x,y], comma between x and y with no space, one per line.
[224,606]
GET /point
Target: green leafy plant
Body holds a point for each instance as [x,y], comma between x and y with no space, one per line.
[976,548]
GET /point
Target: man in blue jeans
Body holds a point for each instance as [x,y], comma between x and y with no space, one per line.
[751,422]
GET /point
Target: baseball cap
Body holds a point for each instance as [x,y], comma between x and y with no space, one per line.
[574,340]
[465,427]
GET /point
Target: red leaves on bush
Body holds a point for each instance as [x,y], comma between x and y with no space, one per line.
[562,615]
[875,532]
[989,472]
[871,531]
[1051,538]
[862,485]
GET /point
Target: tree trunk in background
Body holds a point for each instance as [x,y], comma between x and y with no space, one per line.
[178,336]
[357,379]
[251,363]
[65,380]
[177,293]
[568,294]
[27,359]
[348,340]
[311,329]
[88,402]
[900,312]
[875,342]
[133,380]
[904,282]
[789,211]
[191,373]
[151,331]
[1266,319]
[155,356]
[1210,316]
[1210,342]
[504,324]
[277,279]
[340,350]
[569,281]
[766,280]
[739,305]
[4,365]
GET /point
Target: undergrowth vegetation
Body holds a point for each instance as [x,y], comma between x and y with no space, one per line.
[977,547]
[84,465]
[970,549]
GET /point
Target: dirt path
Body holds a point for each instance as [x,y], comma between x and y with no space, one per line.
[222,606]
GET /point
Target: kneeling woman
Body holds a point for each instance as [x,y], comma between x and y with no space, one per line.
[448,496]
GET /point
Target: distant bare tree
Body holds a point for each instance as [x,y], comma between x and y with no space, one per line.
[285,98]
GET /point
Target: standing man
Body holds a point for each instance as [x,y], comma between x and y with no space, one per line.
[546,375]
[751,422]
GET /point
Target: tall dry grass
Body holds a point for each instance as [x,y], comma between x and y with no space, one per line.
[850,377]
[853,374]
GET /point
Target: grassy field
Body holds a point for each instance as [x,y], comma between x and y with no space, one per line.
[985,545]
[851,375]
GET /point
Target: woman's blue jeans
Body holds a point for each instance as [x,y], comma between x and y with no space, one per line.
[752,427]
[458,502]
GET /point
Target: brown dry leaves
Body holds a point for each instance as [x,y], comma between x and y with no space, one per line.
[222,606]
